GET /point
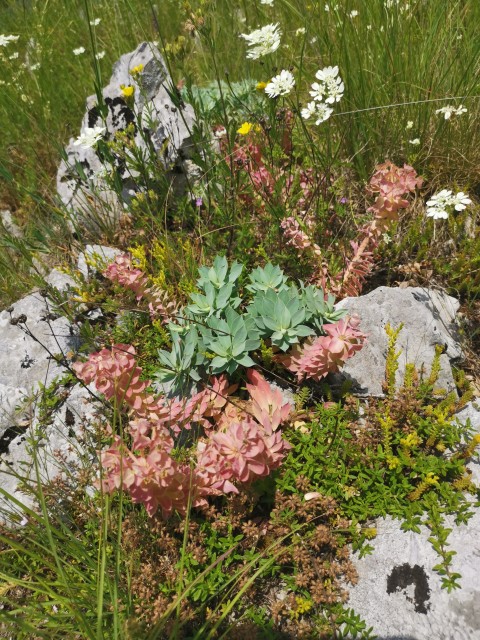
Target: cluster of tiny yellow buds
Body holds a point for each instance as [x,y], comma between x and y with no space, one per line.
[476,438]
[440,447]
[260,86]
[410,441]
[393,462]
[303,606]
[430,478]
[370,533]
[127,90]
[136,70]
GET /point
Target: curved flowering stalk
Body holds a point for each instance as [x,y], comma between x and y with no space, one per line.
[326,354]
[392,184]
[123,272]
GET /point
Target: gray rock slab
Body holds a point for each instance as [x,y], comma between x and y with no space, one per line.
[95,257]
[400,596]
[60,446]
[166,124]
[26,360]
[428,317]
[9,225]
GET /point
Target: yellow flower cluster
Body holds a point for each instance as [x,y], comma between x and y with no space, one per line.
[393,462]
[430,478]
[135,71]
[410,441]
[303,606]
[127,90]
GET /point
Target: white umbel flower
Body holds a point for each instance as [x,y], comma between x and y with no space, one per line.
[330,88]
[327,73]
[79,51]
[4,40]
[280,85]
[450,111]
[335,89]
[438,205]
[461,201]
[269,3]
[262,41]
[89,137]
[317,110]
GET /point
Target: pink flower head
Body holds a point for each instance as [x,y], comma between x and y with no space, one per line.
[392,184]
[326,354]
[267,404]
[242,447]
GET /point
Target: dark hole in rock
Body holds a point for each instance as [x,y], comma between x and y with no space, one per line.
[27,362]
[69,417]
[10,434]
[403,576]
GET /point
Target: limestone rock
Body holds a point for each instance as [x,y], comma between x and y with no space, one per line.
[61,445]
[428,317]
[27,360]
[9,225]
[167,125]
[400,596]
[95,257]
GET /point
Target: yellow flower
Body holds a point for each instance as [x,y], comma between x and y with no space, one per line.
[136,70]
[392,462]
[431,478]
[245,128]
[127,91]
[412,440]
[260,86]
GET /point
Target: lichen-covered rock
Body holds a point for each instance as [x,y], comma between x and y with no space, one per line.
[94,258]
[60,442]
[398,593]
[166,125]
[27,360]
[428,317]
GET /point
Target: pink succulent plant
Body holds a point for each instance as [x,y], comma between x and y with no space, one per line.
[326,354]
[240,450]
[123,272]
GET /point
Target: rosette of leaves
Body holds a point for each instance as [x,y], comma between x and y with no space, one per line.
[213,301]
[270,277]
[318,310]
[181,366]
[230,341]
[280,316]
[219,289]
[219,274]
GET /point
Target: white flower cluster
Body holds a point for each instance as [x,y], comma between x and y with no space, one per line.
[448,112]
[389,4]
[4,40]
[78,51]
[89,137]
[280,85]
[326,92]
[262,41]
[441,202]
[267,2]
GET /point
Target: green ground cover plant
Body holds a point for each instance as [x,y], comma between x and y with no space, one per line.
[232,483]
